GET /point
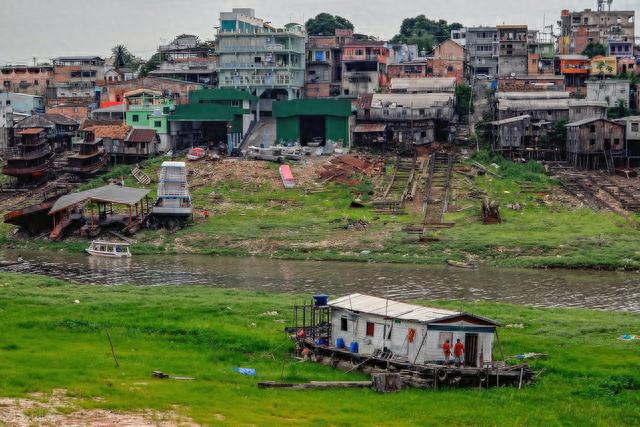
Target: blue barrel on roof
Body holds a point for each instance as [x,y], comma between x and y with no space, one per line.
[340,342]
[321,300]
[353,348]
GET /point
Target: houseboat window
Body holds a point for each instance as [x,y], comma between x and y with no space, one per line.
[443,337]
[370,328]
[344,324]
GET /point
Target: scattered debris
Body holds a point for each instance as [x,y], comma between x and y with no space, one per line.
[491,212]
[629,337]
[515,326]
[163,376]
[140,176]
[251,372]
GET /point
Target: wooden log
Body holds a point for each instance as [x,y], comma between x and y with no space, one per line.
[316,385]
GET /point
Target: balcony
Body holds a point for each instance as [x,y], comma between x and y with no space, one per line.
[365,57]
[283,79]
[258,66]
[444,111]
[238,48]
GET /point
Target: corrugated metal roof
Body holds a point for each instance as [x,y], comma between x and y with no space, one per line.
[590,120]
[423,84]
[533,104]
[398,310]
[141,135]
[370,127]
[107,194]
[511,120]
[533,95]
[411,100]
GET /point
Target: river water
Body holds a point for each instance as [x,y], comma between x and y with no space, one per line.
[545,288]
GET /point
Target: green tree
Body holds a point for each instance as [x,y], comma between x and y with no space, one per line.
[325,23]
[464,94]
[152,64]
[594,49]
[424,32]
[122,57]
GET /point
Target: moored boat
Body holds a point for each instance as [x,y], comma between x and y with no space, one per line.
[109,249]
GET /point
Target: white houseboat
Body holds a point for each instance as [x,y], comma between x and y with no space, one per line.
[109,249]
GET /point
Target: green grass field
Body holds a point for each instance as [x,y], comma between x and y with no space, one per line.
[266,220]
[49,342]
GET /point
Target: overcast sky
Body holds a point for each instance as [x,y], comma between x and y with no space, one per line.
[48,28]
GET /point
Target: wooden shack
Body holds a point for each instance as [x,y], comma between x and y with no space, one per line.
[596,143]
[511,134]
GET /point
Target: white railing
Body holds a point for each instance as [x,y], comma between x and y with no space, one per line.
[261,65]
[281,80]
[232,48]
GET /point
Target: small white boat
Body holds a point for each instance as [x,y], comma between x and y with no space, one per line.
[109,249]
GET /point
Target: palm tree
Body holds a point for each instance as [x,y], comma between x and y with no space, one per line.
[121,56]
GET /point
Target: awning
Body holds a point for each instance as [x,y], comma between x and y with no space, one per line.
[109,194]
[370,128]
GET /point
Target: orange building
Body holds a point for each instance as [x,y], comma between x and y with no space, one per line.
[30,80]
[448,61]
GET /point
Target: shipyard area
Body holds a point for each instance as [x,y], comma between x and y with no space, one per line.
[283,217]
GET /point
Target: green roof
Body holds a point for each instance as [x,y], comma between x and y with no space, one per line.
[312,107]
[205,113]
[220,95]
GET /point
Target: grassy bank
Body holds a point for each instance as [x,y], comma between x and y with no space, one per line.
[49,342]
[251,214]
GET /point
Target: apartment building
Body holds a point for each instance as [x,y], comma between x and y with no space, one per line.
[513,59]
[578,29]
[30,80]
[364,67]
[482,51]
[269,62]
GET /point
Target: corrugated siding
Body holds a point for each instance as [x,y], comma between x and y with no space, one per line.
[337,128]
[312,107]
[288,128]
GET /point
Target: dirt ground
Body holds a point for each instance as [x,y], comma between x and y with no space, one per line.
[58,409]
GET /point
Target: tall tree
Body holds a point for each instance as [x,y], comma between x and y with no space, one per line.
[424,32]
[594,49]
[325,23]
[122,57]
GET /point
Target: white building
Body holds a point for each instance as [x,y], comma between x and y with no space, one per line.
[411,331]
[611,91]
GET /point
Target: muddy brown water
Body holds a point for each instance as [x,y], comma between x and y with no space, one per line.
[544,288]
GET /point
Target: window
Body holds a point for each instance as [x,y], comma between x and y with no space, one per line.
[371,327]
[344,324]
[36,82]
[135,118]
[157,124]
[7,83]
[235,103]
[592,142]
[257,59]
[592,129]
[443,337]
[635,127]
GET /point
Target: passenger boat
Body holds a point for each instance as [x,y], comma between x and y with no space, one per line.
[287,177]
[196,153]
[459,264]
[109,249]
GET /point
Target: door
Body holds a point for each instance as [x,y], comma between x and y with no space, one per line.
[471,350]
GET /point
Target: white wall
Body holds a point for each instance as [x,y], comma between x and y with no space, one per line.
[397,340]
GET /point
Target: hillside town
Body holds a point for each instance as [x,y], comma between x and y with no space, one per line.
[305,224]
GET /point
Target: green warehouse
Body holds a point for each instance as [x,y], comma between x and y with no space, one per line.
[313,120]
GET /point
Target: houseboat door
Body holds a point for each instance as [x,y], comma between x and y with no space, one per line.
[471,349]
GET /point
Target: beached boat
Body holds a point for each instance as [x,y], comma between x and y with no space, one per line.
[459,264]
[196,153]
[287,177]
[109,249]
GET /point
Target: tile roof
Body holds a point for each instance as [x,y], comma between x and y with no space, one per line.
[109,131]
[141,135]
